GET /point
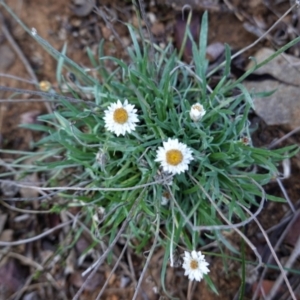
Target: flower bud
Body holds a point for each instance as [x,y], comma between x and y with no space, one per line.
[197,112]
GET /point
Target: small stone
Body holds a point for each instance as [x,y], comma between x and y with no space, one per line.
[106,32]
[7,235]
[158,28]
[9,189]
[83,8]
[152,18]
[283,106]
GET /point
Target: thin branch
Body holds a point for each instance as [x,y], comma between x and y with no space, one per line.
[112,271]
[17,49]
[76,188]
[189,291]
[21,55]
[17,78]
[10,100]
[255,42]
[283,272]
[221,227]
[275,143]
[94,267]
[148,258]
[44,197]
[232,226]
[34,238]
[286,196]
[27,261]
[142,8]
[279,241]
[25,211]
[108,24]
[43,94]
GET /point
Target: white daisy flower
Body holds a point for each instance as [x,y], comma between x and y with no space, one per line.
[120,118]
[197,112]
[195,265]
[174,156]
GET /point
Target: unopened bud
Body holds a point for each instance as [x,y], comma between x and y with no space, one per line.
[197,112]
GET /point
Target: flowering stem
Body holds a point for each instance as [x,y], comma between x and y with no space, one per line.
[189,293]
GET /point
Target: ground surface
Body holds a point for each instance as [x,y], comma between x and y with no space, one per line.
[232,22]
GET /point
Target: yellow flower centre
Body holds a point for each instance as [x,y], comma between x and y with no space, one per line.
[120,115]
[174,157]
[194,264]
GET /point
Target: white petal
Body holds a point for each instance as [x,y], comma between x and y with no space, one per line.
[113,126]
[174,144]
[202,269]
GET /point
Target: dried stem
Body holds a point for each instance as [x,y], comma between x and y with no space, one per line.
[220,227]
[279,241]
[144,16]
[232,226]
[148,258]
[76,188]
[255,42]
[113,270]
[21,55]
[283,272]
[94,267]
[35,238]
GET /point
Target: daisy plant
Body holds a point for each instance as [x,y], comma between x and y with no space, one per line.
[159,150]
